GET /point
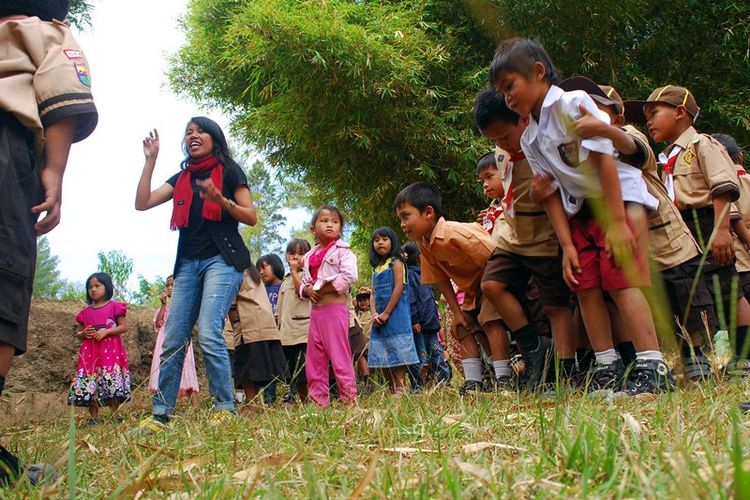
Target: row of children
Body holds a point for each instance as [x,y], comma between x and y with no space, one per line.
[577,205]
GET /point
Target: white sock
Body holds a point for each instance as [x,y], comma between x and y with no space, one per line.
[472,369]
[606,357]
[652,355]
[502,368]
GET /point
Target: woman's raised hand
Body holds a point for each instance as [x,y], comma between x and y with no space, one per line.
[151,145]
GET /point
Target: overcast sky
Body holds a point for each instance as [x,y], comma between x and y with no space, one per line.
[127,49]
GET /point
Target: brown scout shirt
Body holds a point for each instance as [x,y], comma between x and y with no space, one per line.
[457,251]
[703,171]
[670,239]
[251,314]
[527,231]
[743,207]
[293,313]
[44,77]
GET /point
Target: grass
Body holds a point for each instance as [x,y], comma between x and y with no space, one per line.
[687,444]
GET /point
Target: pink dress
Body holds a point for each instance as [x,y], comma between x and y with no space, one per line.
[189,380]
[103,373]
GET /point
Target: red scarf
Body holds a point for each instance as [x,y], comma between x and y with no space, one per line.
[741,171]
[183,192]
[669,166]
[316,259]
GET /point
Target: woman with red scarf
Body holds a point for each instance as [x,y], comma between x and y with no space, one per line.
[210,196]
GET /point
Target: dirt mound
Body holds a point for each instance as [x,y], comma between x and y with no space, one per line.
[50,361]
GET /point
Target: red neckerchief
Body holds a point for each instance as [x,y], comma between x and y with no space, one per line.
[183,192]
[669,166]
[488,222]
[316,259]
[741,171]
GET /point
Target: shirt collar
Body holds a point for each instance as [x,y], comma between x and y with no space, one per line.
[439,231]
[553,95]
[684,140]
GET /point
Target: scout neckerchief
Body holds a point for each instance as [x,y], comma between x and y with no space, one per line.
[493,212]
[508,182]
[183,192]
[668,163]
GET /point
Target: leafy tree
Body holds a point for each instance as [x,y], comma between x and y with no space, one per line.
[268,199]
[148,292]
[72,291]
[47,277]
[357,99]
[119,267]
[79,14]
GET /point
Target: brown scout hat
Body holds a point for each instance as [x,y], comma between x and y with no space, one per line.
[670,94]
[603,94]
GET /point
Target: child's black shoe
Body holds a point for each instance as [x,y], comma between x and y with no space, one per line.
[606,377]
[649,376]
[738,368]
[697,368]
[538,363]
[745,407]
[504,384]
[470,386]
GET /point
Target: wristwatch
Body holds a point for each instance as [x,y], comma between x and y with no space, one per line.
[232,204]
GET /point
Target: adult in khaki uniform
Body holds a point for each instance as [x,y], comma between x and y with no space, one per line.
[45,106]
[702,180]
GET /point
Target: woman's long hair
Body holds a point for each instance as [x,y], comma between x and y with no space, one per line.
[221,147]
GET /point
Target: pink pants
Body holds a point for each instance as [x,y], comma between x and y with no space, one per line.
[329,341]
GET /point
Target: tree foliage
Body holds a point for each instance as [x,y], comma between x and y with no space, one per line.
[358,99]
[148,292]
[268,198]
[47,277]
[79,14]
[119,267]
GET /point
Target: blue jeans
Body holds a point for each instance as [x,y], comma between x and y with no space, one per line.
[203,291]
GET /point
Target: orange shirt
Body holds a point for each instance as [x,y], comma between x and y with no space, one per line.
[457,251]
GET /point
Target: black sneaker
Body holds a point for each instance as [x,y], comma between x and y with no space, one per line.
[504,384]
[606,377]
[697,369]
[649,376]
[745,407]
[471,386]
[538,363]
[9,468]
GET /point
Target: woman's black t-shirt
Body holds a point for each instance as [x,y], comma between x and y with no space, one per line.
[195,241]
[46,10]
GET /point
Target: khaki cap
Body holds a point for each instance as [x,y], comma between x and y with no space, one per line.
[363,292]
[604,94]
[670,94]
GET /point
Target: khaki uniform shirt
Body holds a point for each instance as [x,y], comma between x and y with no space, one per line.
[457,251]
[743,207]
[365,319]
[525,228]
[44,77]
[670,239]
[251,314]
[293,313]
[703,171]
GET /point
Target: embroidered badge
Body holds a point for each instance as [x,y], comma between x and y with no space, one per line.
[73,53]
[569,153]
[83,72]
[688,157]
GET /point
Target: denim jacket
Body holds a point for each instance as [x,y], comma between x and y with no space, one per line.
[339,268]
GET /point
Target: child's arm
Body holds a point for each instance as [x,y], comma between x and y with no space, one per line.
[590,126]
[121,328]
[159,321]
[296,280]
[59,137]
[722,247]
[84,332]
[380,318]
[621,243]
[446,289]
[556,213]
[741,230]
[346,276]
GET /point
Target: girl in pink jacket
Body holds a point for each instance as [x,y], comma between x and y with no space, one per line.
[330,269]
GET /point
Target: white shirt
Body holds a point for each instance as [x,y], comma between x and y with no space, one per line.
[553,148]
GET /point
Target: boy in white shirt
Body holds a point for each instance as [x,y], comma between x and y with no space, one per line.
[598,208]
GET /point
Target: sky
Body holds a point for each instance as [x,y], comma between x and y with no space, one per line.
[127,48]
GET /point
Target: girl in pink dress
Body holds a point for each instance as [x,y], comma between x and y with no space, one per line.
[189,380]
[103,375]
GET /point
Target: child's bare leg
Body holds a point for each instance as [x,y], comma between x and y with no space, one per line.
[362,368]
[195,399]
[114,406]
[399,379]
[253,404]
[506,304]
[636,318]
[596,319]
[94,410]
[497,337]
[561,323]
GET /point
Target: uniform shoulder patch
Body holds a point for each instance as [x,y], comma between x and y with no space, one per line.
[688,157]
